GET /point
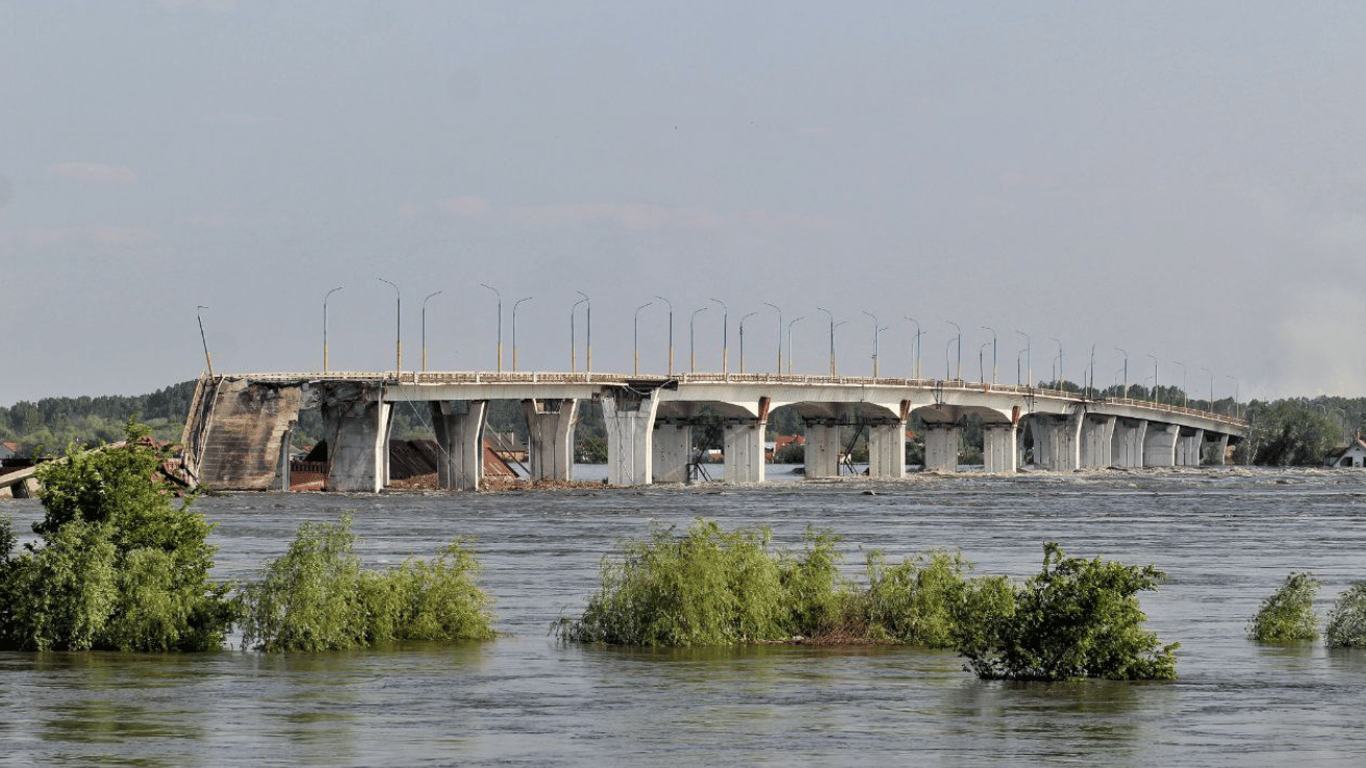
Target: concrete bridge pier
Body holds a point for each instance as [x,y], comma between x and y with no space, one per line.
[822,449]
[357,444]
[941,446]
[1216,449]
[1057,442]
[550,437]
[459,427]
[1097,440]
[744,451]
[672,451]
[887,450]
[1188,445]
[1126,447]
[1000,448]
[630,421]
[1159,445]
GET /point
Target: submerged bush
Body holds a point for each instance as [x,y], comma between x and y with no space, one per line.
[1347,621]
[706,587]
[316,597]
[120,565]
[1076,618]
[1288,614]
[712,587]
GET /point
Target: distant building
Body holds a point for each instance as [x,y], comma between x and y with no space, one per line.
[1353,455]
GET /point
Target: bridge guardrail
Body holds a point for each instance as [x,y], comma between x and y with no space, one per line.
[593,377]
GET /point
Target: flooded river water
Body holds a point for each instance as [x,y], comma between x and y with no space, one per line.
[1226,537]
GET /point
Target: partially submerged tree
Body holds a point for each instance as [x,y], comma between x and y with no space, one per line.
[1076,618]
[1347,621]
[1288,615]
[123,564]
[316,597]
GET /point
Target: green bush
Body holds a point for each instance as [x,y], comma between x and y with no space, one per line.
[1347,621]
[712,587]
[1288,614]
[316,597]
[119,566]
[1076,618]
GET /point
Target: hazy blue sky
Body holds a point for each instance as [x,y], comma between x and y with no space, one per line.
[1184,180]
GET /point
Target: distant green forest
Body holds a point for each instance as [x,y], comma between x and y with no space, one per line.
[1288,432]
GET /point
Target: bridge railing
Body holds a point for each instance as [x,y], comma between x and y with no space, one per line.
[594,377]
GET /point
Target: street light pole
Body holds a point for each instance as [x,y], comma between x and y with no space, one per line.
[500,324]
[424,330]
[514,331]
[993,353]
[208,359]
[1185,399]
[876,328]
[692,340]
[791,323]
[635,337]
[915,348]
[1211,388]
[829,314]
[1061,367]
[325,298]
[671,332]
[398,327]
[742,339]
[588,333]
[1154,397]
[573,345]
[725,337]
[780,335]
[1029,360]
[1125,394]
[958,371]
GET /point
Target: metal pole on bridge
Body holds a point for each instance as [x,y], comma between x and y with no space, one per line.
[790,323]
[671,332]
[993,353]
[424,330]
[635,337]
[398,327]
[692,340]
[742,339]
[915,348]
[831,315]
[500,323]
[208,359]
[725,336]
[780,335]
[514,331]
[325,298]
[573,346]
[1126,372]
[958,372]
[1029,360]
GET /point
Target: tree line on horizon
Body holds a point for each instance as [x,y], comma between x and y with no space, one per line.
[1297,431]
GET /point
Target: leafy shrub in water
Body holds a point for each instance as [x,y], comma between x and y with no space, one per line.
[712,587]
[1288,614]
[119,566]
[1076,618]
[706,587]
[316,597]
[911,603]
[1347,621]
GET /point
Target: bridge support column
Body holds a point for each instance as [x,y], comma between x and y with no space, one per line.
[1188,445]
[1159,445]
[1097,440]
[822,449]
[1216,449]
[672,451]
[941,447]
[887,450]
[1057,442]
[459,427]
[550,437]
[744,451]
[357,445]
[630,420]
[1000,448]
[1126,446]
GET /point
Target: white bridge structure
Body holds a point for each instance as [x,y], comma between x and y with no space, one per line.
[237,434]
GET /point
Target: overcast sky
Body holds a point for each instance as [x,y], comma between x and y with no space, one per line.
[1185,181]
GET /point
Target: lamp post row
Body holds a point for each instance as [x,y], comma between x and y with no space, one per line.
[955,342]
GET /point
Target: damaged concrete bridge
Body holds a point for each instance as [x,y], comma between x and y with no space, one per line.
[237,434]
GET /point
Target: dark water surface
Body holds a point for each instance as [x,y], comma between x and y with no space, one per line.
[1226,537]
